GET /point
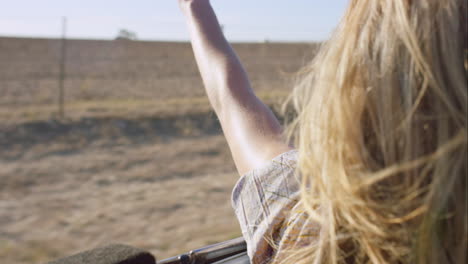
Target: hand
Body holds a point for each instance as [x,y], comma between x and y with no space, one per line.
[185,5]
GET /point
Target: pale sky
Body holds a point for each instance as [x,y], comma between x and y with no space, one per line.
[244,20]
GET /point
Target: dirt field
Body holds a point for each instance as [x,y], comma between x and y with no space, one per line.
[139,158]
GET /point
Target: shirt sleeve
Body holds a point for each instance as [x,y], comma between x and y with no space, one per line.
[262,200]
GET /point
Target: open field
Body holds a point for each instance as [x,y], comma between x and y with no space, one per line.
[139,159]
[129,70]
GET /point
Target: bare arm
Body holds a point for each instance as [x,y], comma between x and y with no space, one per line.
[252,131]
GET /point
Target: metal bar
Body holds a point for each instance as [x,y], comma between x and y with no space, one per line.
[211,254]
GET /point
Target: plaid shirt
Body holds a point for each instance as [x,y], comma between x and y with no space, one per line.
[267,204]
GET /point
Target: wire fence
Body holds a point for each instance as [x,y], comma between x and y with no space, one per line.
[60,72]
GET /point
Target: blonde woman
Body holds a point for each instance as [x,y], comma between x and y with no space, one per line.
[379,170]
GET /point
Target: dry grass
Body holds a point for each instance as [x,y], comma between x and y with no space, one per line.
[124,108]
[139,158]
[58,199]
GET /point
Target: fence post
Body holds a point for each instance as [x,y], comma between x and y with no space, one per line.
[61,99]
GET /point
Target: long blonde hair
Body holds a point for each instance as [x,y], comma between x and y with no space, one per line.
[381,130]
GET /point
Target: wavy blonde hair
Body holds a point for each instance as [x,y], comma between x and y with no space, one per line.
[381,130]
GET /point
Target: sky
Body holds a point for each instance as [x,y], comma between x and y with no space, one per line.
[243,20]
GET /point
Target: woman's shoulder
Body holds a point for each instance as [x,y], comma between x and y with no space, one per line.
[274,175]
[263,198]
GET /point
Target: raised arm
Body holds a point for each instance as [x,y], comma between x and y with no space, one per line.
[252,131]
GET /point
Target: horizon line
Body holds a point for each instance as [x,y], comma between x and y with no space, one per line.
[48,37]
